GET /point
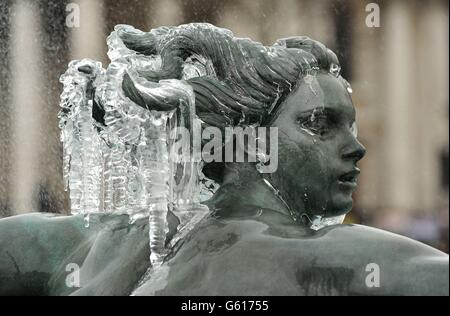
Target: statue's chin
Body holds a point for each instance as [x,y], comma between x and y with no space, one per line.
[342,206]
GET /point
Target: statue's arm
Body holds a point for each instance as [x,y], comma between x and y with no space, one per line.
[414,276]
[419,268]
[405,266]
[429,275]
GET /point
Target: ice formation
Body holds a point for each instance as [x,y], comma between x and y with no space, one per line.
[131,163]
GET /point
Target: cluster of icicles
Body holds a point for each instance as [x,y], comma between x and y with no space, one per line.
[128,165]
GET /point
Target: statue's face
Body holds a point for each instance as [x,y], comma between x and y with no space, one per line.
[318,149]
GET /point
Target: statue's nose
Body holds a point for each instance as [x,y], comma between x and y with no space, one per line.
[356,151]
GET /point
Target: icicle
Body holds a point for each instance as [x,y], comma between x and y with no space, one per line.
[130,164]
[82,162]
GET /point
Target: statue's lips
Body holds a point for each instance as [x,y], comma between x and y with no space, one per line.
[349,179]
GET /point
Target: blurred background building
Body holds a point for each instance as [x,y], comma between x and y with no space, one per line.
[399,74]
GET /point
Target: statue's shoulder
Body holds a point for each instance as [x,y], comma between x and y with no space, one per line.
[41,236]
[41,246]
[30,247]
[273,230]
[37,223]
[250,256]
[376,239]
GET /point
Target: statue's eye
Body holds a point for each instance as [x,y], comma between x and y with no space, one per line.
[316,123]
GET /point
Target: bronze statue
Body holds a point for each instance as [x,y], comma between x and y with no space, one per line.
[276,233]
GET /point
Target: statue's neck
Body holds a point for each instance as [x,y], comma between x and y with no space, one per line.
[245,187]
[246,193]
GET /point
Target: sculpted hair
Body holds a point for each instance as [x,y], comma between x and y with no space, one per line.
[243,82]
